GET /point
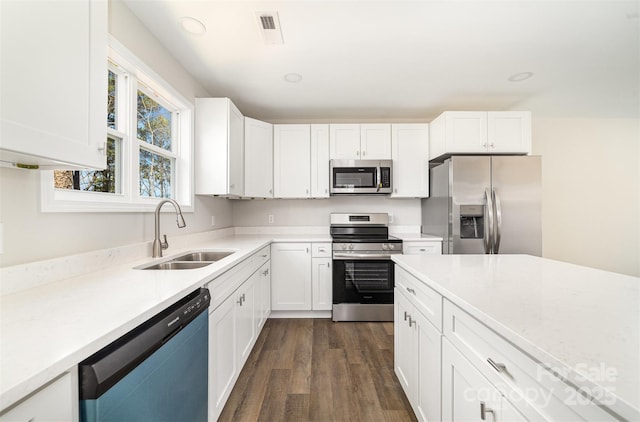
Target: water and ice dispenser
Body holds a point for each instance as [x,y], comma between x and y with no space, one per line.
[471,221]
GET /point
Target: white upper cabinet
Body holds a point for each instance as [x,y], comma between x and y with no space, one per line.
[375,141]
[344,141]
[509,131]
[219,148]
[54,83]
[410,154]
[360,141]
[481,132]
[258,159]
[292,161]
[319,161]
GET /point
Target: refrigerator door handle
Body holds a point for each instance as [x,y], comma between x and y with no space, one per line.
[488,223]
[498,222]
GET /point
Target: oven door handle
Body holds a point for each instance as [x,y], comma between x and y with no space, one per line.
[348,256]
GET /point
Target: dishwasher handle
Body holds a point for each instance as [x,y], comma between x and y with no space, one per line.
[106,367]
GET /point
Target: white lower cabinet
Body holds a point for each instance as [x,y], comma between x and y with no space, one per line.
[57,401]
[417,358]
[290,276]
[234,325]
[422,248]
[302,277]
[263,294]
[321,284]
[468,396]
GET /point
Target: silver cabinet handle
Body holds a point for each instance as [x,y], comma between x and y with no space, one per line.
[497,366]
[264,256]
[328,264]
[232,186]
[411,290]
[484,410]
[322,250]
[364,153]
[411,321]
[307,250]
[406,315]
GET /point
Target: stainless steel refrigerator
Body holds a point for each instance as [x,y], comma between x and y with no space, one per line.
[485,204]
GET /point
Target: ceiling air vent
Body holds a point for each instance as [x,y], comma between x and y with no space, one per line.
[269,25]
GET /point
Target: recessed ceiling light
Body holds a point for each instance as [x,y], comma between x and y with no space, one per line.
[192,25]
[519,77]
[294,78]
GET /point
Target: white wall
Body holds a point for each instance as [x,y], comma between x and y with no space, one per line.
[315,212]
[591,191]
[30,235]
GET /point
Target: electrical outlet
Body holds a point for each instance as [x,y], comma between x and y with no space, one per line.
[390,218]
[213,220]
[271,219]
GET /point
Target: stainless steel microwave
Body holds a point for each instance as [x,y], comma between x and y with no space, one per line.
[353,177]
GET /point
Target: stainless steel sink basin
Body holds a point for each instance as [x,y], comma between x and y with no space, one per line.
[210,256]
[188,261]
[175,265]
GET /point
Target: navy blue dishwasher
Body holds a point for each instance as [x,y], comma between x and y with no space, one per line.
[156,372]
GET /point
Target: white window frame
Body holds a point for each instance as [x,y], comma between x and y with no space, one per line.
[130,70]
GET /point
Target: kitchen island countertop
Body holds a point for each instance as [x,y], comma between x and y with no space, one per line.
[581,319]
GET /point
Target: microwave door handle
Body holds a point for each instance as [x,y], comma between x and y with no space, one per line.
[378,179]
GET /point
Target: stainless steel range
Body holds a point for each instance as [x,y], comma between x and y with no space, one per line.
[363,279]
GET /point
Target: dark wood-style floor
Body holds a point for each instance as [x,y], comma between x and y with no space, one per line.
[318,370]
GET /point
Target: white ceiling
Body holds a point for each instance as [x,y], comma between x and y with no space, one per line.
[364,59]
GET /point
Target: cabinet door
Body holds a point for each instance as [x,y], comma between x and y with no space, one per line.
[219,145]
[55,402]
[291,161]
[236,151]
[322,284]
[410,154]
[54,83]
[245,301]
[258,159]
[404,344]
[464,390]
[263,295]
[222,355]
[319,161]
[509,131]
[291,276]
[466,131]
[375,141]
[427,395]
[344,141]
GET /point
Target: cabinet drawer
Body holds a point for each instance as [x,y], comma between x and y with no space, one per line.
[262,256]
[426,300]
[321,250]
[222,286]
[417,248]
[526,382]
[54,402]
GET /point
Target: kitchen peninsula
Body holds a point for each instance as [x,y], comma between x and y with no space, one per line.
[552,340]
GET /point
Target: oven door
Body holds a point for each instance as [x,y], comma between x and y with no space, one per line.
[363,281]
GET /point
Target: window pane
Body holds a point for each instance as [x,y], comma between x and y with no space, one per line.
[93,180]
[154,122]
[111,101]
[155,175]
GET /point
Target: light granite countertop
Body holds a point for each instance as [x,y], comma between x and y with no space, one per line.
[49,328]
[581,319]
